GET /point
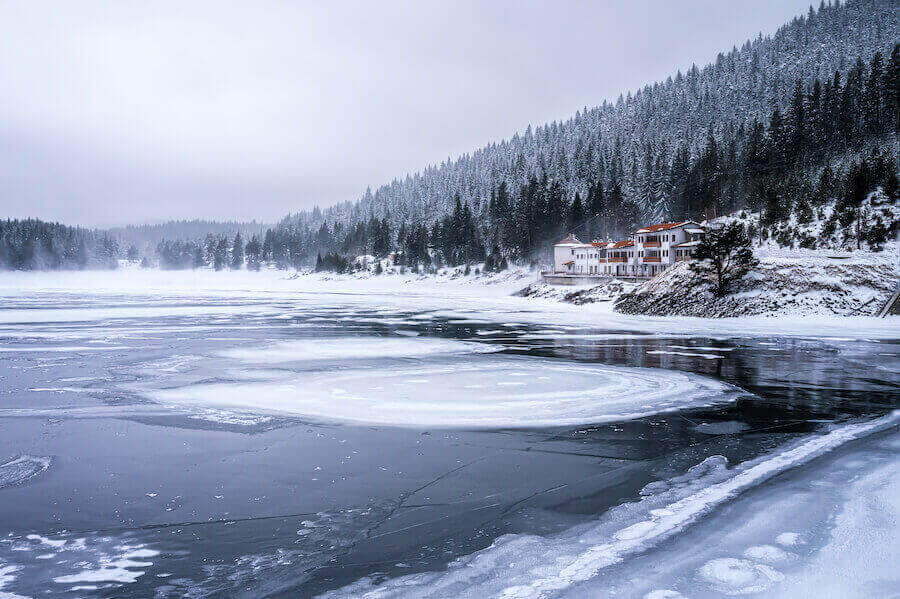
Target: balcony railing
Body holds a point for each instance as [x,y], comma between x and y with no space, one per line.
[614,259]
[651,244]
[651,258]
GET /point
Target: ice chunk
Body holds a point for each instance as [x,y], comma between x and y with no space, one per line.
[21,469]
[46,541]
[788,539]
[735,576]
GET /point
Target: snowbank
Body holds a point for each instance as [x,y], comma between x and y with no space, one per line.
[785,283]
[578,295]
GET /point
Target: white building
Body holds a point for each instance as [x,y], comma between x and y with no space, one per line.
[655,246]
[649,251]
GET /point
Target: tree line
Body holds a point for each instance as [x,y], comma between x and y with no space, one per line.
[33,244]
[215,251]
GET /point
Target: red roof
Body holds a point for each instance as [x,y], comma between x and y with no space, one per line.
[662,227]
[568,263]
[569,240]
[621,244]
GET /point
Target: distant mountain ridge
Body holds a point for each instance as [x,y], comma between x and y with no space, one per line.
[182,230]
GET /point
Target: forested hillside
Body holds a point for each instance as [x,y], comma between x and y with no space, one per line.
[753,129]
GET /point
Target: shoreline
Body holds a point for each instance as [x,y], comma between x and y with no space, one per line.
[488,297]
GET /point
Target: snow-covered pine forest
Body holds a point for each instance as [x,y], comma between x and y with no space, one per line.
[758,123]
[32,244]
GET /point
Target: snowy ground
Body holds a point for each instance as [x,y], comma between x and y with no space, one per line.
[786,283]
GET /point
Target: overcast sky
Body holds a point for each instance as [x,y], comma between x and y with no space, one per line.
[116,112]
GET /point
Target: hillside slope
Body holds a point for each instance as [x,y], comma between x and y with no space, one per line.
[636,139]
[786,282]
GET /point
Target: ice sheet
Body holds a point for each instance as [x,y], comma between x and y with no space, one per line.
[496,392]
[530,566]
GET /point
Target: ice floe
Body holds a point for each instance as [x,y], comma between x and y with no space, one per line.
[788,539]
[78,563]
[21,469]
[735,576]
[354,348]
[492,393]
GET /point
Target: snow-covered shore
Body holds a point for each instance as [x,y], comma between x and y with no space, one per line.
[572,564]
[785,283]
[488,297]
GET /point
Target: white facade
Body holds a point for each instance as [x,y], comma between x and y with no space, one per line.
[655,246]
[566,253]
[649,251]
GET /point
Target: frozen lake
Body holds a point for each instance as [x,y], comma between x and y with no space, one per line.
[250,435]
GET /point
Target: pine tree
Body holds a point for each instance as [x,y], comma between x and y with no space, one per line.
[891,92]
[726,254]
[872,117]
[779,144]
[253,251]
[237,252]
[220,254]
[797,118]
[198,260]
[576,214]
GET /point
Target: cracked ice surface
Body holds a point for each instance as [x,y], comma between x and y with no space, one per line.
[496,392]
[569,564]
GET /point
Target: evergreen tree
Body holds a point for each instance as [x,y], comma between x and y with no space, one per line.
[220,253]
[237,252]
[198,259]
[253,251]
[891,92]
[576,214]
[726,254]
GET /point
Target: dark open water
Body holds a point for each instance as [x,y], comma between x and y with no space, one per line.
[106,490]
